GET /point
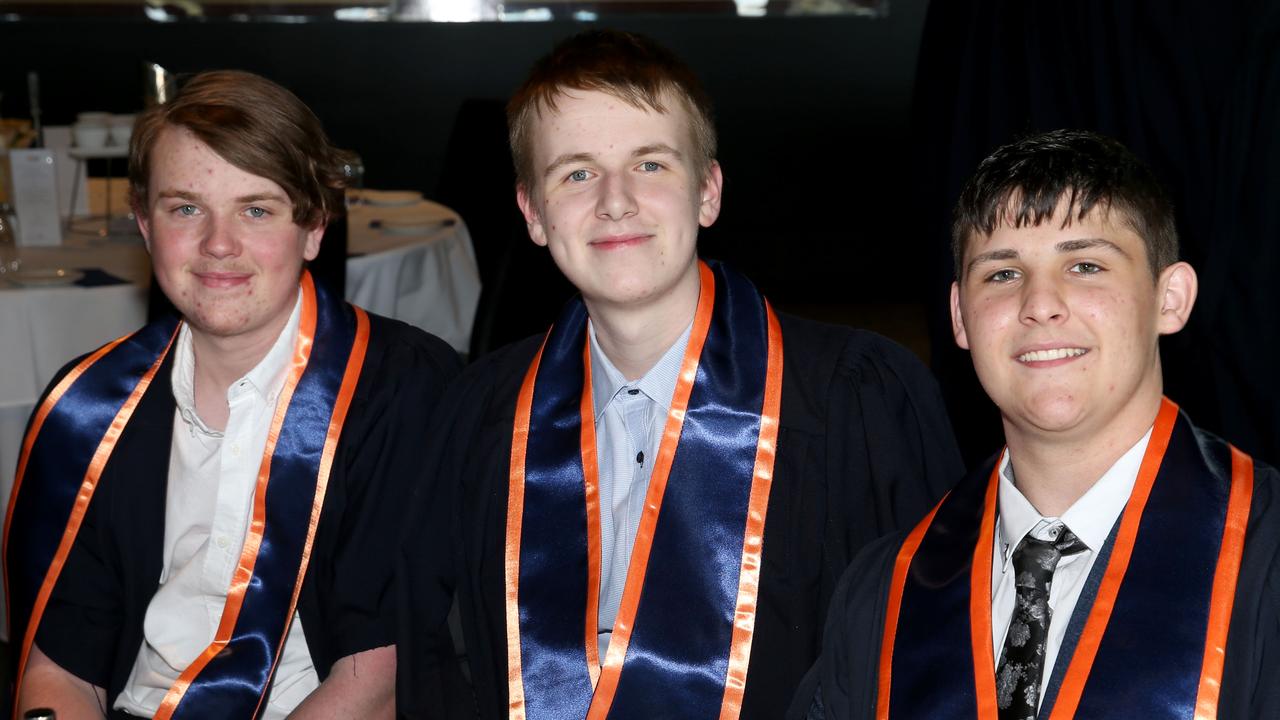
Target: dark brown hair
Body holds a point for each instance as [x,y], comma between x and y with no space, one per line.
[257,126]
[1023,182]
[630,67]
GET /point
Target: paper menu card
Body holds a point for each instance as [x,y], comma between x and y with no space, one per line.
[35,196]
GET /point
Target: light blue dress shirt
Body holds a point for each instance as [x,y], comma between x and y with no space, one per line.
[630,418]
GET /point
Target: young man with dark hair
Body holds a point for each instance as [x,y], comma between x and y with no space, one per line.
[204,510]
[1113,561]
[644,513]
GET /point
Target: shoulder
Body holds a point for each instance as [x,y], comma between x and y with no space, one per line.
[393,341]
[846,351]
[492,382]
[834,367]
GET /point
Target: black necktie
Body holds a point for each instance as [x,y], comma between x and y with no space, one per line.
[1018,677]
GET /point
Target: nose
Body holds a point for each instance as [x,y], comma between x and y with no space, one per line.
[616,200]
[220,240]
[1043,302]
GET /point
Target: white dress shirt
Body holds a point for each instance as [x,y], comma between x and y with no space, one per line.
[629,418]
[209,500]
[1090,518]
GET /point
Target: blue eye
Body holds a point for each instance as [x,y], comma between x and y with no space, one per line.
[650,166]
[257,212]
[185,210]
[579,176]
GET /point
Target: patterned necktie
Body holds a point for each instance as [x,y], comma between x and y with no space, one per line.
[1018,677]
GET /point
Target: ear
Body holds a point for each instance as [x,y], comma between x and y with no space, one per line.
[1176,287]
[311,248]
[144,226]
[710,195]
[532,218]
[957,320]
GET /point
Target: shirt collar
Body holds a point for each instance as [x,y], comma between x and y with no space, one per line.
[658,384]
[1091,517]
[265,379]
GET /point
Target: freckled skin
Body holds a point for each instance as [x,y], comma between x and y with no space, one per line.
[229,265]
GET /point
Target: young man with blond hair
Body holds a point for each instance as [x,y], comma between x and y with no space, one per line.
[643,513]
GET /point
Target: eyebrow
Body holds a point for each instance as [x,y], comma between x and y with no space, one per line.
[255,197]
[992,256]
[567,159]
[1066,246]
[656,149]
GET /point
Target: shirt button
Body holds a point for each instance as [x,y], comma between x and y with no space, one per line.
[235,449]
[222,543]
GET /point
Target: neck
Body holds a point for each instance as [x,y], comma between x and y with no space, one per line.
[635,338]
[1054,472]
[220,361]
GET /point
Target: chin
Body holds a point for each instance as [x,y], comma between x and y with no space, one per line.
[1056,412]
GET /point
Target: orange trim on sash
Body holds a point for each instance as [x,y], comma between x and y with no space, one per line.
[346,391]
[37,422]
[87,486]
[1224,584]
[900,567]
[515,519]
[258,520]
[753,541]
[607,685]
[1077,674]
[591,488]
[984,662]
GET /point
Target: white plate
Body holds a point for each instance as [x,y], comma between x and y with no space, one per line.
[389,198]
[44,278]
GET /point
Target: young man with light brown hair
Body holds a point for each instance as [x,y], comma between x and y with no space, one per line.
[643,513]
[204,510]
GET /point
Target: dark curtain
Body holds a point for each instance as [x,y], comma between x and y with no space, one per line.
[1191,88]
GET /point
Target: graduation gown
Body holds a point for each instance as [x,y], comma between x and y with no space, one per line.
[864,447]
[844,681]
[93,624]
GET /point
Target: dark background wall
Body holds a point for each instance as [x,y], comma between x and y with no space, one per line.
[813,114]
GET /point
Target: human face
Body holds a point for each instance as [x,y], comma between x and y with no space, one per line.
[223,242]
[617,200]
[1063,325]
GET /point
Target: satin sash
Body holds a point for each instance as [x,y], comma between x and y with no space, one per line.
[1153,644]
[71,439]
[682,638]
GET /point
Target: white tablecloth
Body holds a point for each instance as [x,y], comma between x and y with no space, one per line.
[419,269]
[414,263]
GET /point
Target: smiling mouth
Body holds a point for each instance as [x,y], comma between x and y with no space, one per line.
[1048,355]
[617,241]
[222,279]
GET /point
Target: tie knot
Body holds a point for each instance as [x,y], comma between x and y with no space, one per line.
[1034,560]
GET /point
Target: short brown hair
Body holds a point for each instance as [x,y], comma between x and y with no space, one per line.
[257,126]
[630,67]
[1021,184]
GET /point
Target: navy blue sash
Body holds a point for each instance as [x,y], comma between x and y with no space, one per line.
[1176,549]
[673,654]
[73,435]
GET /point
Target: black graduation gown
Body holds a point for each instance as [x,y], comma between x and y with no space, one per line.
[864,448]
[845,677]
[92,626]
